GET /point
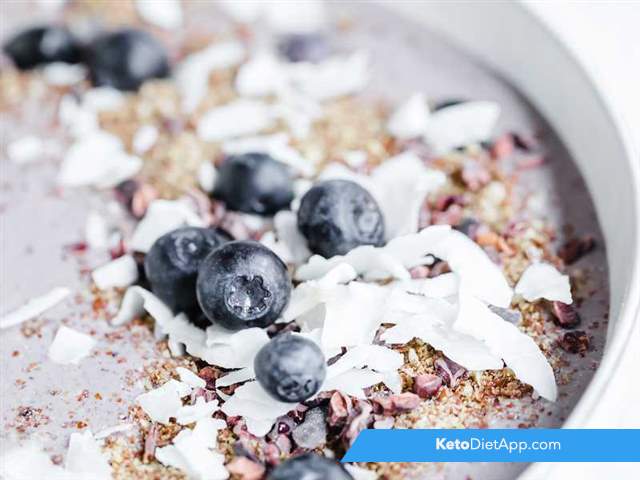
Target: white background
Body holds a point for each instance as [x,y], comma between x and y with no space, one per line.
[605,36]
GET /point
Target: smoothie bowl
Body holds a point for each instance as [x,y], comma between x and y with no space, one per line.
[238,234]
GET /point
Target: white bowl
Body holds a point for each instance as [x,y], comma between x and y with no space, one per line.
[511,39]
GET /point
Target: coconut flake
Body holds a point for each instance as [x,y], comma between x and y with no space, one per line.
[60,74]
[25,149]
[34,307]
[257,407]
[286,240]
[164,402]
[276,145]
[70,346]
[163,216]
[207,175]
[192,413]
[121,272]
[229,349]
[335,77]
[97,159]
[192,75]
[190,378]
[136,301]
[262,75]
[402,184]
[409,120]
[245,12]
[85,459]
[29,461]
[96,231]
[192,452]
[303,16]
[353,381]
[166,14]
[431,320]
[145,137]
[359,473]
[238,118]
[517,349]
[107,432]
[542,280]
[461,124]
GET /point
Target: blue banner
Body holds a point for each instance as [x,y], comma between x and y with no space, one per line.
[496,445]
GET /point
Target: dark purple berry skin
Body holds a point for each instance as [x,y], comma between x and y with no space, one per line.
[312,47]
[243,284]
[171,266]
[309,466]
[125,59]
[41,45]
[290,367]
[254,183]
[335,216]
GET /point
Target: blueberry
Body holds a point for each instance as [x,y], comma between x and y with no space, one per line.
[243,284]
[311,47]
[125,59]
[171,266]
[290,367]
[336,216]
[309,466]
[40,45]
[254,183]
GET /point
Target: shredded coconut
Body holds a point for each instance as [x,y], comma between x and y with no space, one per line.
[121,272]
[542,280]
[70,346]
[34,307]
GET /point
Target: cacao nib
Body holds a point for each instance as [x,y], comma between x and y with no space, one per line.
[427,385]
[340,408]
[565,315]
[503,146]
[450,372]
[576,248]
[575,342]
[394,404]
[361,421]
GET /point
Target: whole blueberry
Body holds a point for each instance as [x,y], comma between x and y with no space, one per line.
[336,216]
[243,284]
[172,263]
[254,183]
[309,466]
[125,59]
[40,45]
[290,367]
[310,47]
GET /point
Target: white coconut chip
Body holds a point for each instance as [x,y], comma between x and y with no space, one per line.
[97,159]
[192,452]
[60,74]
[332,78]
[461,124]
[257,407]
[96,231]
[166,14]
[107,432]
[164,402]
[136,302]
[245,12]
[192,413]
[70,346]
[409,120]
[34,307]
[238,118]
[286,240]
[192,74]
[431,320]
[276,145]
[190,378]
[207,175]
[302,16]
[145,138]
[442,286]
[236,376]
[517,349]
[401,185]
[229,349]
[85,459]
[25,149]
[353,381]
[359,473]
[121,272]
[162,217]
[542,280]
[262,75]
